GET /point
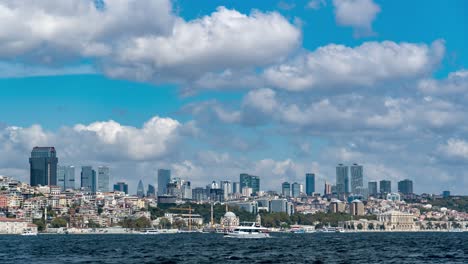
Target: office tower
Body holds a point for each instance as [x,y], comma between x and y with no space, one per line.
[199,194]
[121,187]
[164,177]
[66,177]
[88,179]
[342,179]
[227,188]
[286,189]
[43,166]
[327,190]
[250,181]
[103,179]
[372,187]
[356,177]
[446,194]
[140,190]
[356,208]
[236,187]
[405,186]
[214,185]
[186,190]
[150,192]
[385,186]
[310,184]
[295,190]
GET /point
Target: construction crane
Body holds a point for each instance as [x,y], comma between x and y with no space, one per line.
[190,214]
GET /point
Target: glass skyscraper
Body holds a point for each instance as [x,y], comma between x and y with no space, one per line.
[310,184]
[356,178]
[43,166]
[151,191]
[372,187]
[249,181]
[164,177]
[88,179]
[121,187]
[405,186]
[66,177]
[286,189]
[140,189]
[295,189]
[342,179]
[385,186]
[103,179]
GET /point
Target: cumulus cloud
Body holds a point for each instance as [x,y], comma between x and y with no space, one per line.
[455,84]
[455,148]
[340,66]
[316,4]
[358,14]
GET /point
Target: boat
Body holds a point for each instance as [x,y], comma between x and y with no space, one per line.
[151,232]
[248,230]
[28,232]
[330,230]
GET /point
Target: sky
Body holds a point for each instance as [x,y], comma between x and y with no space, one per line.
[212,88]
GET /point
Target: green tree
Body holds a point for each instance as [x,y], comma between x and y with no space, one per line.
[40,224]
[142,222]
[179,224]
[164,223]
[92,224]
[58,222]
[370,226]
[359,226]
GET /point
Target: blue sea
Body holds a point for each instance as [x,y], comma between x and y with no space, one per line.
[214,248]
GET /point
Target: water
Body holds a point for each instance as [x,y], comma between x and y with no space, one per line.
[213,248]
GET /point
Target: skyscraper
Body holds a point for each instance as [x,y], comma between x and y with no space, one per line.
[66,177]
[164,177]
[236,187]
[103,179]
[88,179]
[385,186]
[405,186]
[342,179]
[372,187]
[356,178]
[327,189]
[227,188]
[151,192]
[121,187]
[140,189]
[43,166]
[286,189]
[310,184]
[295,190]
[249,181]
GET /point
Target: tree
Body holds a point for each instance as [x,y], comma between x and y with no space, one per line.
[92,224]
[437,225]
[359,226]
[40,224]
[444,226]
[370,226]
[179,224]
[382,227]
[429,225]
[142,222]
[58,222]
[164,223]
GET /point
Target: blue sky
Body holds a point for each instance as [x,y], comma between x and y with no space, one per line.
[275,88]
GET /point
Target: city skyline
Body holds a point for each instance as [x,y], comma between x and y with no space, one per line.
[213,89]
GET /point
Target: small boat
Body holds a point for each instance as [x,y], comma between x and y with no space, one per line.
[28,232]
[248,230]
[151,232]
[330,230]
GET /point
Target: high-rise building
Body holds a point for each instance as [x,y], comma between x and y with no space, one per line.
[43,166]
[342,179]
[356,208]
[151,191]
[372,187]
[310,184]
[66,177]
[356,177]
[385,186]
[327,189]
[286,189]
[187,190]
[405,186]
[236,187]
[103,179]
[227,188]
[249,181]
[88,179]
[141,189]
[164,177]
[295,190]
[121,187]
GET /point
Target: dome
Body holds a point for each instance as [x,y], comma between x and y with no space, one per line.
[230,215]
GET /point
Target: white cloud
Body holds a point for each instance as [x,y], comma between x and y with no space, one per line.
[455,83]
[316,4]
[340,66]
[455,148]
[358,14]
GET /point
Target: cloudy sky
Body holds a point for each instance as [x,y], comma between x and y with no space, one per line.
[211,89]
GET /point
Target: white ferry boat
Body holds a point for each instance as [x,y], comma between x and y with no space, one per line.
[248,230]
[28,232]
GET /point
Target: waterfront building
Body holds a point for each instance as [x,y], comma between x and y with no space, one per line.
[140,190]
[151,191]
[356,208]
[43,166]
[342,180]
[405,186]
[66,177]
[164,177]
[121,187]
[286,189]
[236,187]
[12,226]
[103,179]
[88,179]
[295,190]
[397,221]
[372,187]
[385,187]
[249,181]
[310,184]
[356,178]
